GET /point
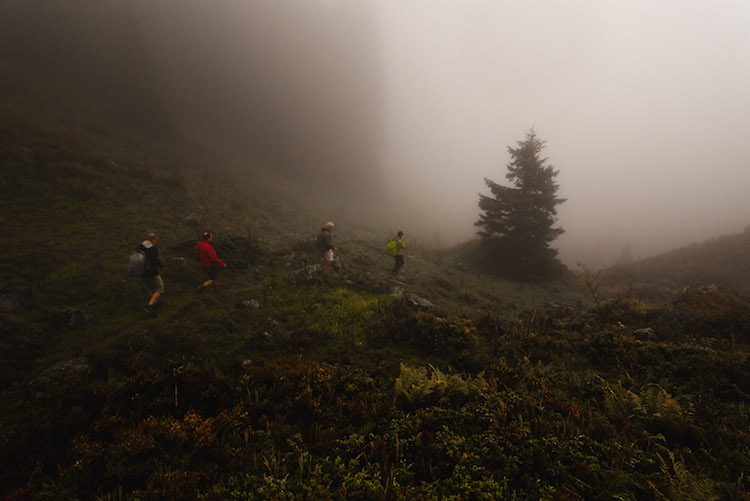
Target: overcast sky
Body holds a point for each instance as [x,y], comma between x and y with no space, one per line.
[645,106]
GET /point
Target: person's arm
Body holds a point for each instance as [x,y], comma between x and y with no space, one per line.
[214,257]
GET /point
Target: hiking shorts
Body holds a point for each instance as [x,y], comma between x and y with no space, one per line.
[155,284]
[210,271]
[328,255]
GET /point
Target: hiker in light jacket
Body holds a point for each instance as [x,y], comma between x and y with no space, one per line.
[325,243]
[209,260]
[151,275]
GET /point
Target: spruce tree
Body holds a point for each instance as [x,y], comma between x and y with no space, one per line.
[517,223]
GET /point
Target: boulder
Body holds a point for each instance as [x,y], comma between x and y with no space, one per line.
[63,375]
[251,304]
[646,333]
[416,302]
[307,273]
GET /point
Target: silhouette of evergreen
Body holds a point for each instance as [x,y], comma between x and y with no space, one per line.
[517,222]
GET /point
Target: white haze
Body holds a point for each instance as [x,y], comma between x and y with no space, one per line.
[645,106]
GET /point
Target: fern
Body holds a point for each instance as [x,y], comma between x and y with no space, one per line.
[652,401]
[683,485]
[420,385]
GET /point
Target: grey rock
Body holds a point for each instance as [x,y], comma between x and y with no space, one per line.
[645,333]
[64,374]
[307,273]
[251,304]
[412,299]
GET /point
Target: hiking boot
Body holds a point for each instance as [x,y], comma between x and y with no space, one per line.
[150,310]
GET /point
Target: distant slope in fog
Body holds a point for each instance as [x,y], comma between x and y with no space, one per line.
[723,260]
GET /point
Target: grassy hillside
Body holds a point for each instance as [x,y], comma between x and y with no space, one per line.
[723,261]
[292,384]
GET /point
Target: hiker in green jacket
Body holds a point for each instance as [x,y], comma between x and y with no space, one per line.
[396,249]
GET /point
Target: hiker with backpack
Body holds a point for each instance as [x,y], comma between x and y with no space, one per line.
[395,248]
[209,260]
[324,244]
[145,263]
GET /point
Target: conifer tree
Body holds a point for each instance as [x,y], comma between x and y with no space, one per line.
[517,223]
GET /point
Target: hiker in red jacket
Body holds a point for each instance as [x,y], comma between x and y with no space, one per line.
[208,259]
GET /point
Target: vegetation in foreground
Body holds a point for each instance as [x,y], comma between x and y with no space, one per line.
[291,384]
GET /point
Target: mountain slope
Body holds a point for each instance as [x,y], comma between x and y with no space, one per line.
[296,384]
[723,261]
[81,189]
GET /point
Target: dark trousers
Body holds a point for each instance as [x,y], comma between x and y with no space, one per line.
[210,271]
[399,263]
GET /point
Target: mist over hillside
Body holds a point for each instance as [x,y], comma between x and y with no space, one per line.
[294,86]
[407,107]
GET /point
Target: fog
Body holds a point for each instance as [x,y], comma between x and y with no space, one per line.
[644,105]
[294,86]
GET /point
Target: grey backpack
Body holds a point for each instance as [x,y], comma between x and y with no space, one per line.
[137,263]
